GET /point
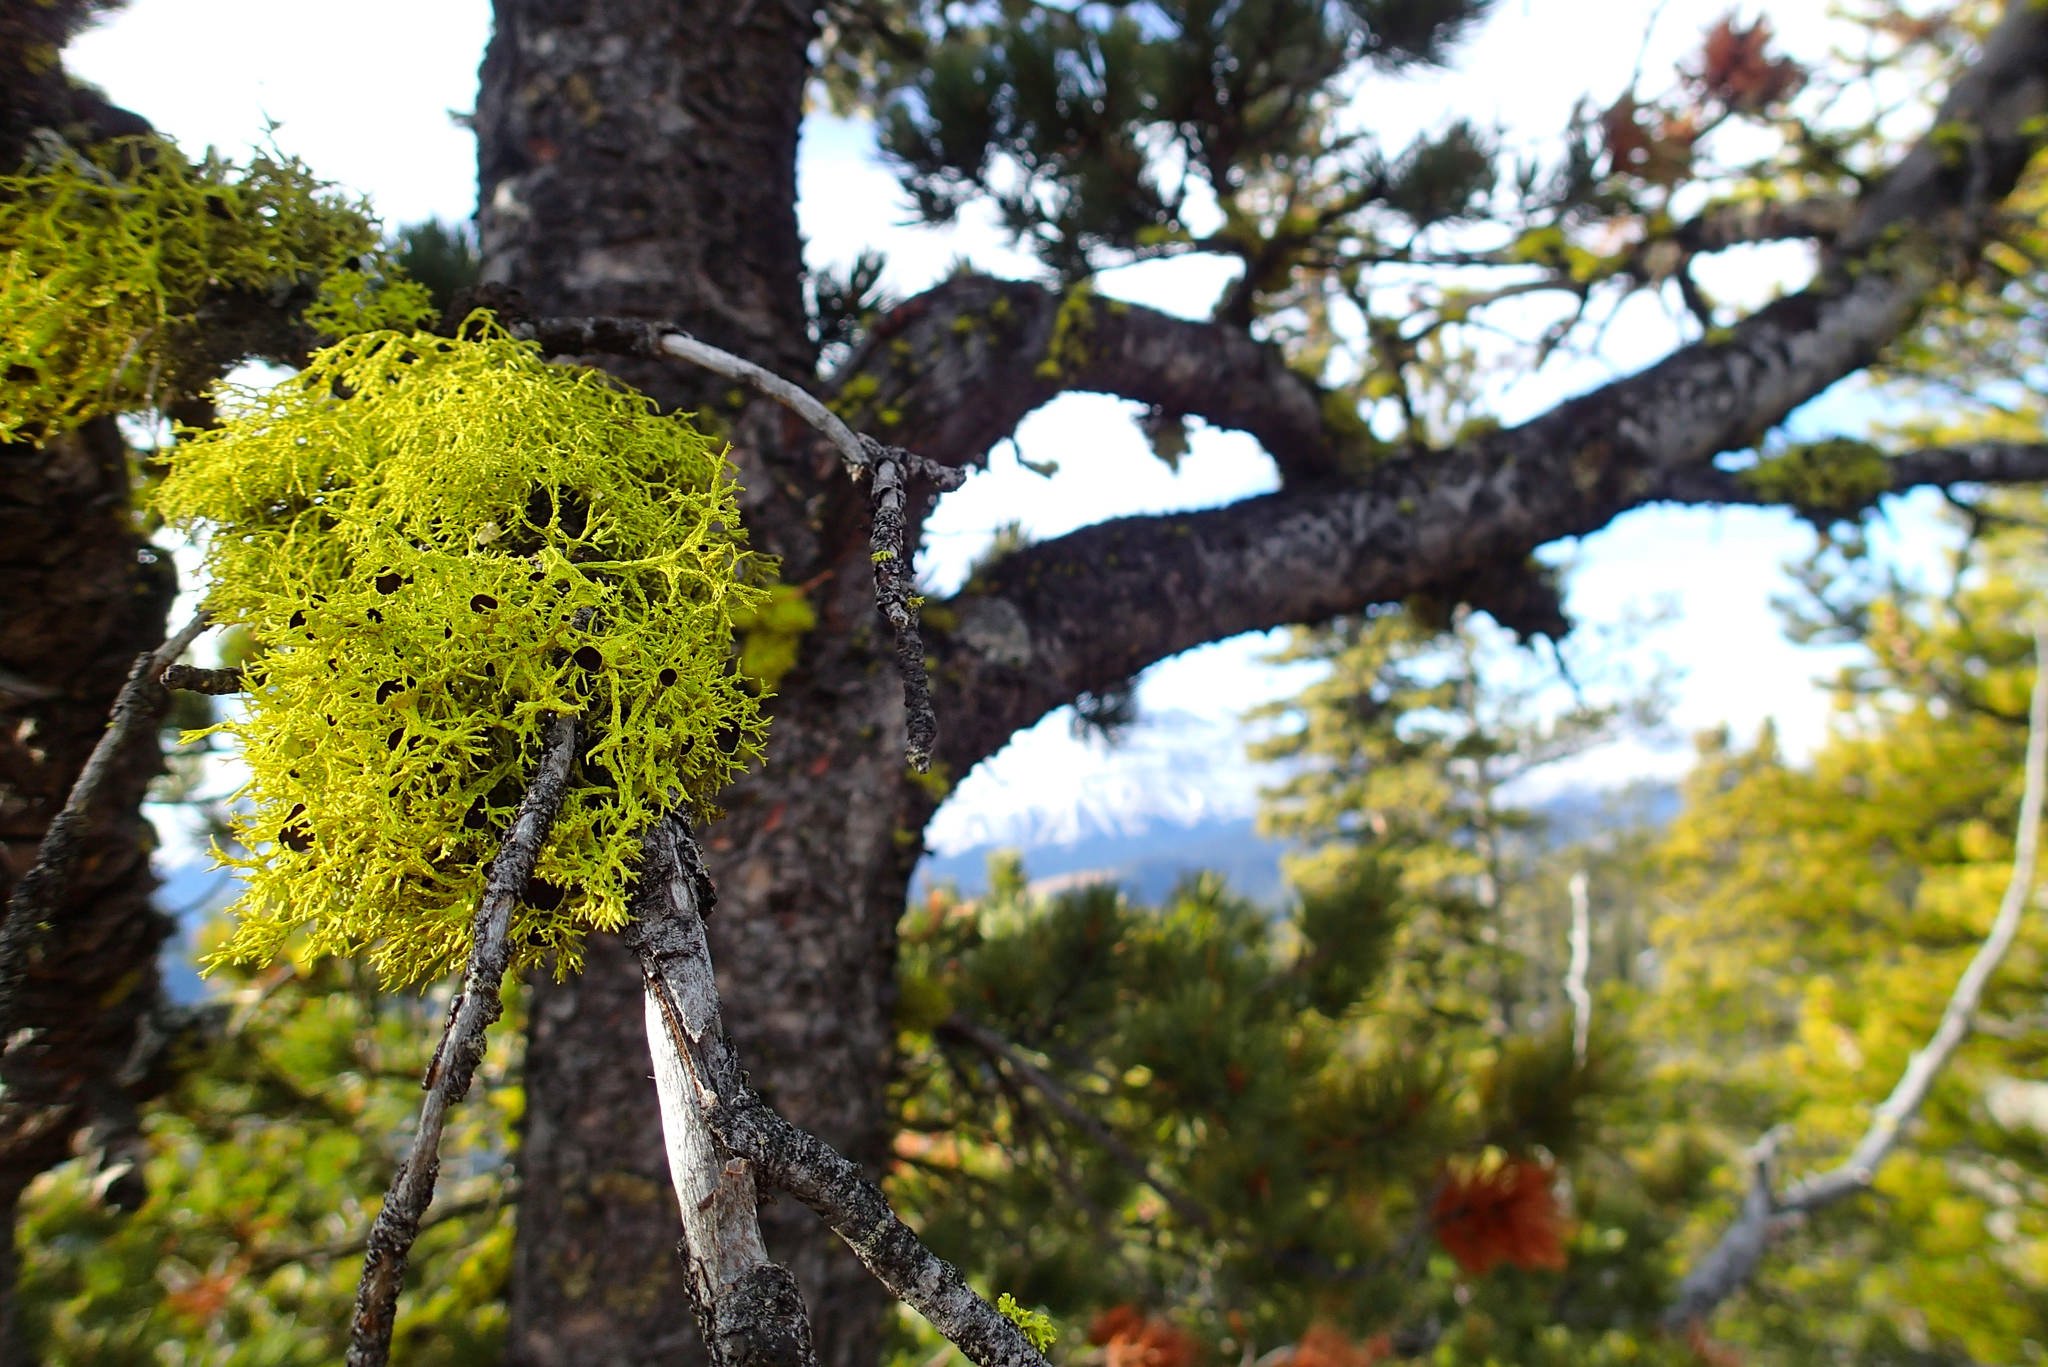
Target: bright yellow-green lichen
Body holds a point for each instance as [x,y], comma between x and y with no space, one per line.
[413,528]
[771,635]
[1036,1326]
[110,262]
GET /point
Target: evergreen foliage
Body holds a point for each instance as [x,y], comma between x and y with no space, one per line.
[265,1161]
[440,544]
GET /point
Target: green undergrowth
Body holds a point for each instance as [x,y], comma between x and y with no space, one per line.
[441,544]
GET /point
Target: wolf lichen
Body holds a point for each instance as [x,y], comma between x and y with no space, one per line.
[123,269]
[441,544]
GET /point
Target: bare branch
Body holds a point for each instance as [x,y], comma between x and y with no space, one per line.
[889,550]
[455,1061]
[749,1310]
[639,337]
[40,892]
[669,937]
[193,679]
[1575,989]
[1733,1260]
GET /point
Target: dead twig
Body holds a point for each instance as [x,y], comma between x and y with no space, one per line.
[455,1061]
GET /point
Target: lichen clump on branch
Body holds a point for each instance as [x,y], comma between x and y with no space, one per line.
[441,544]
[126,271]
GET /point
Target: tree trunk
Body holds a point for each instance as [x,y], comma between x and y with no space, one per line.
[81,601]
[638,158]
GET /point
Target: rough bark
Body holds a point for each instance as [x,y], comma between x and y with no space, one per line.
[638,159]
[76,607]
[1088,609]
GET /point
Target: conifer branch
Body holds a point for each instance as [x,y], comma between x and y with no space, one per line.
[1733,1260]
[475,1007]
[1003,1052]
[668,935]
[40,893]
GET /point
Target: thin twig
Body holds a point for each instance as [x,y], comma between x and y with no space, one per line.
[678,968]
[40,893]
[1061,1100]
[889,549]
[193,679]
[455,1061]
[1734,1258]
[639,337]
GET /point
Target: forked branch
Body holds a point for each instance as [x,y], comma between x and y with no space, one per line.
[1734,1258]
[669,937]
[890,468]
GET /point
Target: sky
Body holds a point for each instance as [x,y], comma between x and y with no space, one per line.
[375,105]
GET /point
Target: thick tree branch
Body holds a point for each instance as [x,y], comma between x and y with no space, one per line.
[455,1060]
[668,935]
[1739,223]
[1733,1260]
[41,890]
[1084,610]
[953,371]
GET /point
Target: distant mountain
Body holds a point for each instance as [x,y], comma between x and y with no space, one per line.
[1147,853]
[1146,862]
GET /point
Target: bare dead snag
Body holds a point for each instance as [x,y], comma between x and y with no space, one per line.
[1730,1264]
[749,1311]
[674,955]
[40,893]
[455,1061]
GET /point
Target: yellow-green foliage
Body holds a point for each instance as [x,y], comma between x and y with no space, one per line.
[412,528]
[770,634]
[109,260]
[1825,477]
